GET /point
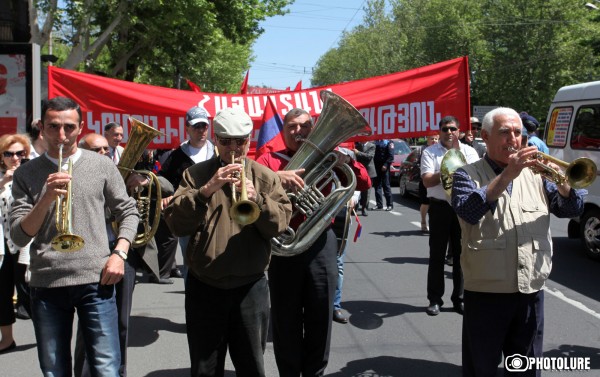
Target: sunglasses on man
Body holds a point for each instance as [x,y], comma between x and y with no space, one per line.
[227,141]
[98,149]
[451,129]
[10,154]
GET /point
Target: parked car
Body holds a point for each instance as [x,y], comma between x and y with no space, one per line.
[401,151]
[410,174]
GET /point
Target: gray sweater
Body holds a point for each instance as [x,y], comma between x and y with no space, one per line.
[96,184]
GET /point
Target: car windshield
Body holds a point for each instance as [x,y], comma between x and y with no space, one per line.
[400,147]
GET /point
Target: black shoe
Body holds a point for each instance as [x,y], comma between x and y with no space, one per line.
[155,280]
[339,317]
[459,307]
[22,313]
[433,309]
[389,208]
[12,346]
[364,212]
[449,261]
[378,208]
[176,273]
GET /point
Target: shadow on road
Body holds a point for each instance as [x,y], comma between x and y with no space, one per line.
[407,260]
[570,350]
[369,315]
[147,328]
[573,269]
[399,233]
[390,366]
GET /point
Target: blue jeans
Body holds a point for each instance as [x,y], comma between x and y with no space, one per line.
[52,314]
[337,298]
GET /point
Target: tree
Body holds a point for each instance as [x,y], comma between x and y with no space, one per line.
[154,41]
[520,51]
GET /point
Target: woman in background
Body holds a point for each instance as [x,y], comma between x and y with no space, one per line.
[13,261]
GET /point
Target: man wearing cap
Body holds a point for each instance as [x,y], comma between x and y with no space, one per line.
[531,124]
[477,143]
[226,292]
[196,149]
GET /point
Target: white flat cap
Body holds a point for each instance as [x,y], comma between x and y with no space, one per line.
[232,122]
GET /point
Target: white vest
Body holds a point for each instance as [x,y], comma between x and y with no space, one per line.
[509,250]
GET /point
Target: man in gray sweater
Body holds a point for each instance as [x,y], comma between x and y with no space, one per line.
[62,282]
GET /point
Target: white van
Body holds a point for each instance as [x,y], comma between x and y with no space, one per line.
[573,131]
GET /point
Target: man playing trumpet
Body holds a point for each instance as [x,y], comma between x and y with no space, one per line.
[504,212]
[226,294]
[62,282]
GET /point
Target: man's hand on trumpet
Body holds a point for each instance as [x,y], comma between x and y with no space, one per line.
[250,190]
[223,176]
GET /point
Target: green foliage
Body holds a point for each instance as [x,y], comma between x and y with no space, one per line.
[157,42]
[520,51]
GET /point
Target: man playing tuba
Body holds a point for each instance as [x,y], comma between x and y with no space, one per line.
[226,291]
[304,349]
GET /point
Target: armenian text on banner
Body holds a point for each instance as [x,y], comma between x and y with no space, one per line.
[398,105]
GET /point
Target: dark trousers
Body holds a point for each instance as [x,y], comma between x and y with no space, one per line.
[217,319]
[444,229]
[302,292]
[124,300]
[166,244]
[382,181]
[7,289]
[501,323]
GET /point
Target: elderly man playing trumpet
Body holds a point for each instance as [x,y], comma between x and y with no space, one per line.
[504,212]
[226,294]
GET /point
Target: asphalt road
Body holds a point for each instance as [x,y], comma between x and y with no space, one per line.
[389,333]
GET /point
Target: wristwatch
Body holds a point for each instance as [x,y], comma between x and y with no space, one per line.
[120,253]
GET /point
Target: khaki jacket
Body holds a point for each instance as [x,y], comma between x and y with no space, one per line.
[509,250]
[221,253]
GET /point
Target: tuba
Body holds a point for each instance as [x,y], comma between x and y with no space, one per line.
[65,240]
[140,136]
[339,120]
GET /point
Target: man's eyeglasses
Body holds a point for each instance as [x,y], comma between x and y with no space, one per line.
[10,154]
[98,149]
[227,141]
[451,129]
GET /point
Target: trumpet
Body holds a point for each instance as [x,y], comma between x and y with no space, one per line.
[242,211]
[65,240]
[579,174]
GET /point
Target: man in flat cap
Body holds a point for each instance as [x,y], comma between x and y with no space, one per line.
[532,124]
[226,293]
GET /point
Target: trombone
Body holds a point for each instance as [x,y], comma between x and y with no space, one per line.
[65,240]
[242,211]
[579,174]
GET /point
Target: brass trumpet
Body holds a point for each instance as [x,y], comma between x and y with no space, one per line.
[65,240]
[242,211]
[579,174]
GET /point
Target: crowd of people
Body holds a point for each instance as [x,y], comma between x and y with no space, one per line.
[234,285]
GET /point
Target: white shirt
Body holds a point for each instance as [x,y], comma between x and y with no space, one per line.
[431,160]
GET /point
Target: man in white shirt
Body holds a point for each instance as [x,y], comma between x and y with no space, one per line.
[113,132]
[443,223]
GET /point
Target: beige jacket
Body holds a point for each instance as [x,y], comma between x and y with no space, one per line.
[509,250]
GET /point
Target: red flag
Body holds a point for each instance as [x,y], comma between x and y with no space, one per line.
[193,86]
[270,137]
[298,86]
[244,87]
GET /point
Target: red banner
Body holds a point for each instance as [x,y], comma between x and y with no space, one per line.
[398,105]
